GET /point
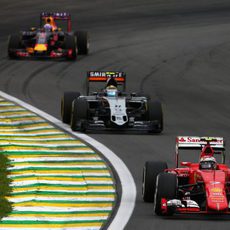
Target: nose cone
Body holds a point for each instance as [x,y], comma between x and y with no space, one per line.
[40,47]
[216,199]
[215,190]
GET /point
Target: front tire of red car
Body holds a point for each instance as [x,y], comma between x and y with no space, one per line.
[150,172]
[166,187]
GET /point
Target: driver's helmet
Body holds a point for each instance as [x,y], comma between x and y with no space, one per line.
[111,91]
[50,24]
[48,27]
[208,163]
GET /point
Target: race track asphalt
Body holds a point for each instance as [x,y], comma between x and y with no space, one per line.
[177,51]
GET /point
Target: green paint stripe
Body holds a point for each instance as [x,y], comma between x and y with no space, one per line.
[20,130]
[29,125]
[62,193]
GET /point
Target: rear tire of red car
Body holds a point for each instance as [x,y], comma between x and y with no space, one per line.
[150,172]
[82,42]
[79,115]
[70,44]
[66,105]
[166,187]
[155,113]
[14,43]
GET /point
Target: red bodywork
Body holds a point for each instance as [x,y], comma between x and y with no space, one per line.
[213,185]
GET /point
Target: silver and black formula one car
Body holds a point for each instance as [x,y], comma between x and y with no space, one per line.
[49,40]
[111,108]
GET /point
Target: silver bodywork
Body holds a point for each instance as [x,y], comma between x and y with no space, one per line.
[118,114]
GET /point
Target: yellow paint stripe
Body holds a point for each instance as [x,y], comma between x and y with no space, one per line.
[53,142]
[12,119]
[7,113]
[64,188]
[67,164]
[48,204]
[33,132]
[75,214]
[10,107]
[63,196]
[59,171]
[62,179]
[45,148]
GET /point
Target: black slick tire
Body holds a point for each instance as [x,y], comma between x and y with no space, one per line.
[66,105]
[14,43]
[82,42]
[70,44]
[155,113]
[166,187]
[79,115]
[150,172]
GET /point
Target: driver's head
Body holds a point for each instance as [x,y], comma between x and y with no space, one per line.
[111,91]
[208,163]
[48,27]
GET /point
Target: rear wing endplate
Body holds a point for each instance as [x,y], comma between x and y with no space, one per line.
[103,76]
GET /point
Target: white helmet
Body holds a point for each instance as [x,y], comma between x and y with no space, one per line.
[208,162]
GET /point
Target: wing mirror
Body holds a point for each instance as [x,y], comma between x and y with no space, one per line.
[185,163]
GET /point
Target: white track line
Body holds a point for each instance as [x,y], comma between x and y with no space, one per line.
[128,195]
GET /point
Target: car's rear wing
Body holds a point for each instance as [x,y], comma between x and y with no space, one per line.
[199,142]
[195,142]
[103,76]
[56,16]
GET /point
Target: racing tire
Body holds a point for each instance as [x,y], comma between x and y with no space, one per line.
[166,187]
[70,44]
[155,113]
[14,43]
[82,42]
[66,105]
[79,115]
[150,172]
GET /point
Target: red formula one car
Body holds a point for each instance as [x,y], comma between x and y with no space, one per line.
[49,40]
[202,187]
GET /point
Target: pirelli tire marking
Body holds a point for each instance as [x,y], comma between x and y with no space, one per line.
[57,181]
